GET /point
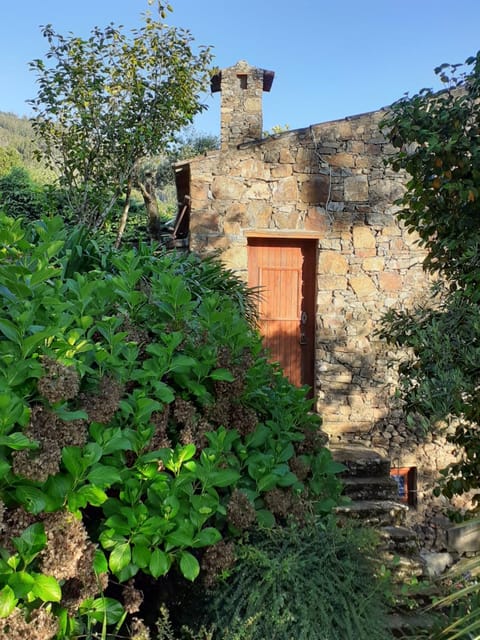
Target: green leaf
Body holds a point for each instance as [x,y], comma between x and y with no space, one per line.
[163,392]
[180,538]
[267,482]
[46,588]
[7,601]
[64,414]
[104,476]
[222,374]
[21,582]
[141,556]
[32,540]
[189,566]
[103,610]
[100,563]
[88,494]
[160,563]
[120,557]
[182,364]
[17,441]
[186,453]
[207,537]
[32,498]
[265,518]
[223,478]
[10,331]
[73,462]
[258,437]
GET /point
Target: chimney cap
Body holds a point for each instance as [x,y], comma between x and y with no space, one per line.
[216,79]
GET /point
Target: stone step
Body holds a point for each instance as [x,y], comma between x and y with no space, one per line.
[401,567]
[399,539]
[360,461]
[374,513]
[370,488]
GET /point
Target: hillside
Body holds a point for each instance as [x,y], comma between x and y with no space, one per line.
[17,132]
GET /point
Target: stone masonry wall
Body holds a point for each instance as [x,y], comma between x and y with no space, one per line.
[330,182]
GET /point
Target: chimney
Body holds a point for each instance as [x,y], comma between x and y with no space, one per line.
[241,107]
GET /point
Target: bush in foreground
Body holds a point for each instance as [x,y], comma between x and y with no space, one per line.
[140,425]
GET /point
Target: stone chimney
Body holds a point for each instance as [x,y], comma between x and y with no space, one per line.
[241,107]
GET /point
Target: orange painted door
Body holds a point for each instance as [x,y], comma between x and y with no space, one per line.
[284,270]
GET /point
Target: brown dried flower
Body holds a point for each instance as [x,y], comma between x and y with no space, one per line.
[101,406]
[132,597]
[59,382]
[240,512]
[15,521]
[41,625]
[139,630]
[67,540]
[218,558]
[52,434]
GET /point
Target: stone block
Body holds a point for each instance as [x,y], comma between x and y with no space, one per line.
[257,191]
[315,189]
[331,283]
[252,168]
[332,263]
[342,160]
[373,264]
[356,189]
[390,281]
[363,238]
[282,171]
[315,220]
[363,286]
[285,156]
[285,190]
[464,538]
[226,188]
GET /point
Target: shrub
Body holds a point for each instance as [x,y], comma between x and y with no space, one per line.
[138,414]
[313,582]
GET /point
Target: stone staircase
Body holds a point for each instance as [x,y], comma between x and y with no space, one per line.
[373,495]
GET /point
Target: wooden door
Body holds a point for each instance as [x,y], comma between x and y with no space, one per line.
[284,270]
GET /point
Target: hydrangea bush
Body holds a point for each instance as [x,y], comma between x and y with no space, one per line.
[142,429]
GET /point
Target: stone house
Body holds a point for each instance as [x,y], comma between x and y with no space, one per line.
[309,216]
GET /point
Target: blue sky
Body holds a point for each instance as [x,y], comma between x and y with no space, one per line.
[331,59]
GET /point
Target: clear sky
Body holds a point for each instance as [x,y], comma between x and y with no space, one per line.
[331,58]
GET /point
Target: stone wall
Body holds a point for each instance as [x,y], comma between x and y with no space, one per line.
[330,182]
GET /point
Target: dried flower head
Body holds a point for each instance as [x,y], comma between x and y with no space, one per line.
[52,434]
[58,382]
[101,406]
[218,558]
[40,625]
[132,597]
[139,630]
[15,521]
[67,541]
[240,512]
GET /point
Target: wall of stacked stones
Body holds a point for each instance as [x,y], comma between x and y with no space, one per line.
[330,182]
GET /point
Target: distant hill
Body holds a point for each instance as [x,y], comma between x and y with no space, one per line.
[17,132]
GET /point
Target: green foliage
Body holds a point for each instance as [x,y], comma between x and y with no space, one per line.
[136,396]
[106,102]
[9,158]
[17,133]
[438,142]
[21,195]
[307,582]
[437,137]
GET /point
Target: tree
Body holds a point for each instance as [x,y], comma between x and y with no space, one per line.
[438,143]
[108,101]
[155,176]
